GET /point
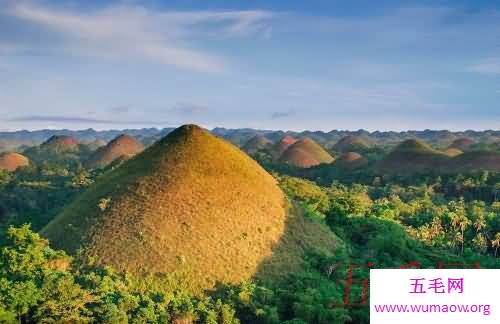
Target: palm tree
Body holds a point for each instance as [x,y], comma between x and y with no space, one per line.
[496,243]
[460,222]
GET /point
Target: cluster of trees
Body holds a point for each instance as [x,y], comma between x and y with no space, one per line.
[424,220]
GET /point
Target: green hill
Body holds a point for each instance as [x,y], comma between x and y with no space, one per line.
[191,202]
[462,143]
[412,156]
[351,143]
[257,143]
[475,161]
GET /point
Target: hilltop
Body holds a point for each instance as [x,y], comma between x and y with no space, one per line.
[462,143]
[351,160]
[306,153]
[60,143]
[257,143]
[282,145]
[12,161]
[123,146]
[475,161]
[351,143]
[191,202]
[412,156]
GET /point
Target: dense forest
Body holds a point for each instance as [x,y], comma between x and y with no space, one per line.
[421,218]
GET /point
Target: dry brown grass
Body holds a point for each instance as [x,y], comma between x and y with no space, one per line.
[191,202]
[123,146]
[306,153]
[351,160]
[452,152]
[12,161]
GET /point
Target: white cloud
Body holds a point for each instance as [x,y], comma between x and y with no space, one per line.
[139,33]
[489,66]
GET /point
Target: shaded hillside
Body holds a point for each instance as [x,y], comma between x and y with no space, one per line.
[57,148]
[351,143]
[124,146]
[306,153]
[256,144]
[282,145]
[412,156]
[60,144]
[191,202]
[12,161]
[351,160]
[462,144]
[475,161]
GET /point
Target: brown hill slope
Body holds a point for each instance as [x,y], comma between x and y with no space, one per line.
[412,156]
[12,161]
[282,146]
[191,202]
[123,146]
[306,153]
[351,160]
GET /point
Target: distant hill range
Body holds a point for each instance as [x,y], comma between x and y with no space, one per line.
[438,138]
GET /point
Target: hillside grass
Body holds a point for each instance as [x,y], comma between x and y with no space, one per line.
[191,202]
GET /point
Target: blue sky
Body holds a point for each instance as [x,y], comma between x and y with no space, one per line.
[318,65]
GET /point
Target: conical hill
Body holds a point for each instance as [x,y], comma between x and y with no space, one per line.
[191,201]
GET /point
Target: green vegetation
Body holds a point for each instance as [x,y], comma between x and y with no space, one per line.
[239,245]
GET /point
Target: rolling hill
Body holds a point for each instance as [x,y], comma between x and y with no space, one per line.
[191,203]
[462,143]
[412,156]
[12,161]
[123,146]
[351,160]
[351,143]
[305,153]
[282,145]
[257,143]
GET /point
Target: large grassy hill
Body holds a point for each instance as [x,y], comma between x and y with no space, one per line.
[191,202]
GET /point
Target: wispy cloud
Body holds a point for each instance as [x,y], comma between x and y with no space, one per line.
[188,108]
[82,120]
[283,114]
[490,66]
[140,33]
